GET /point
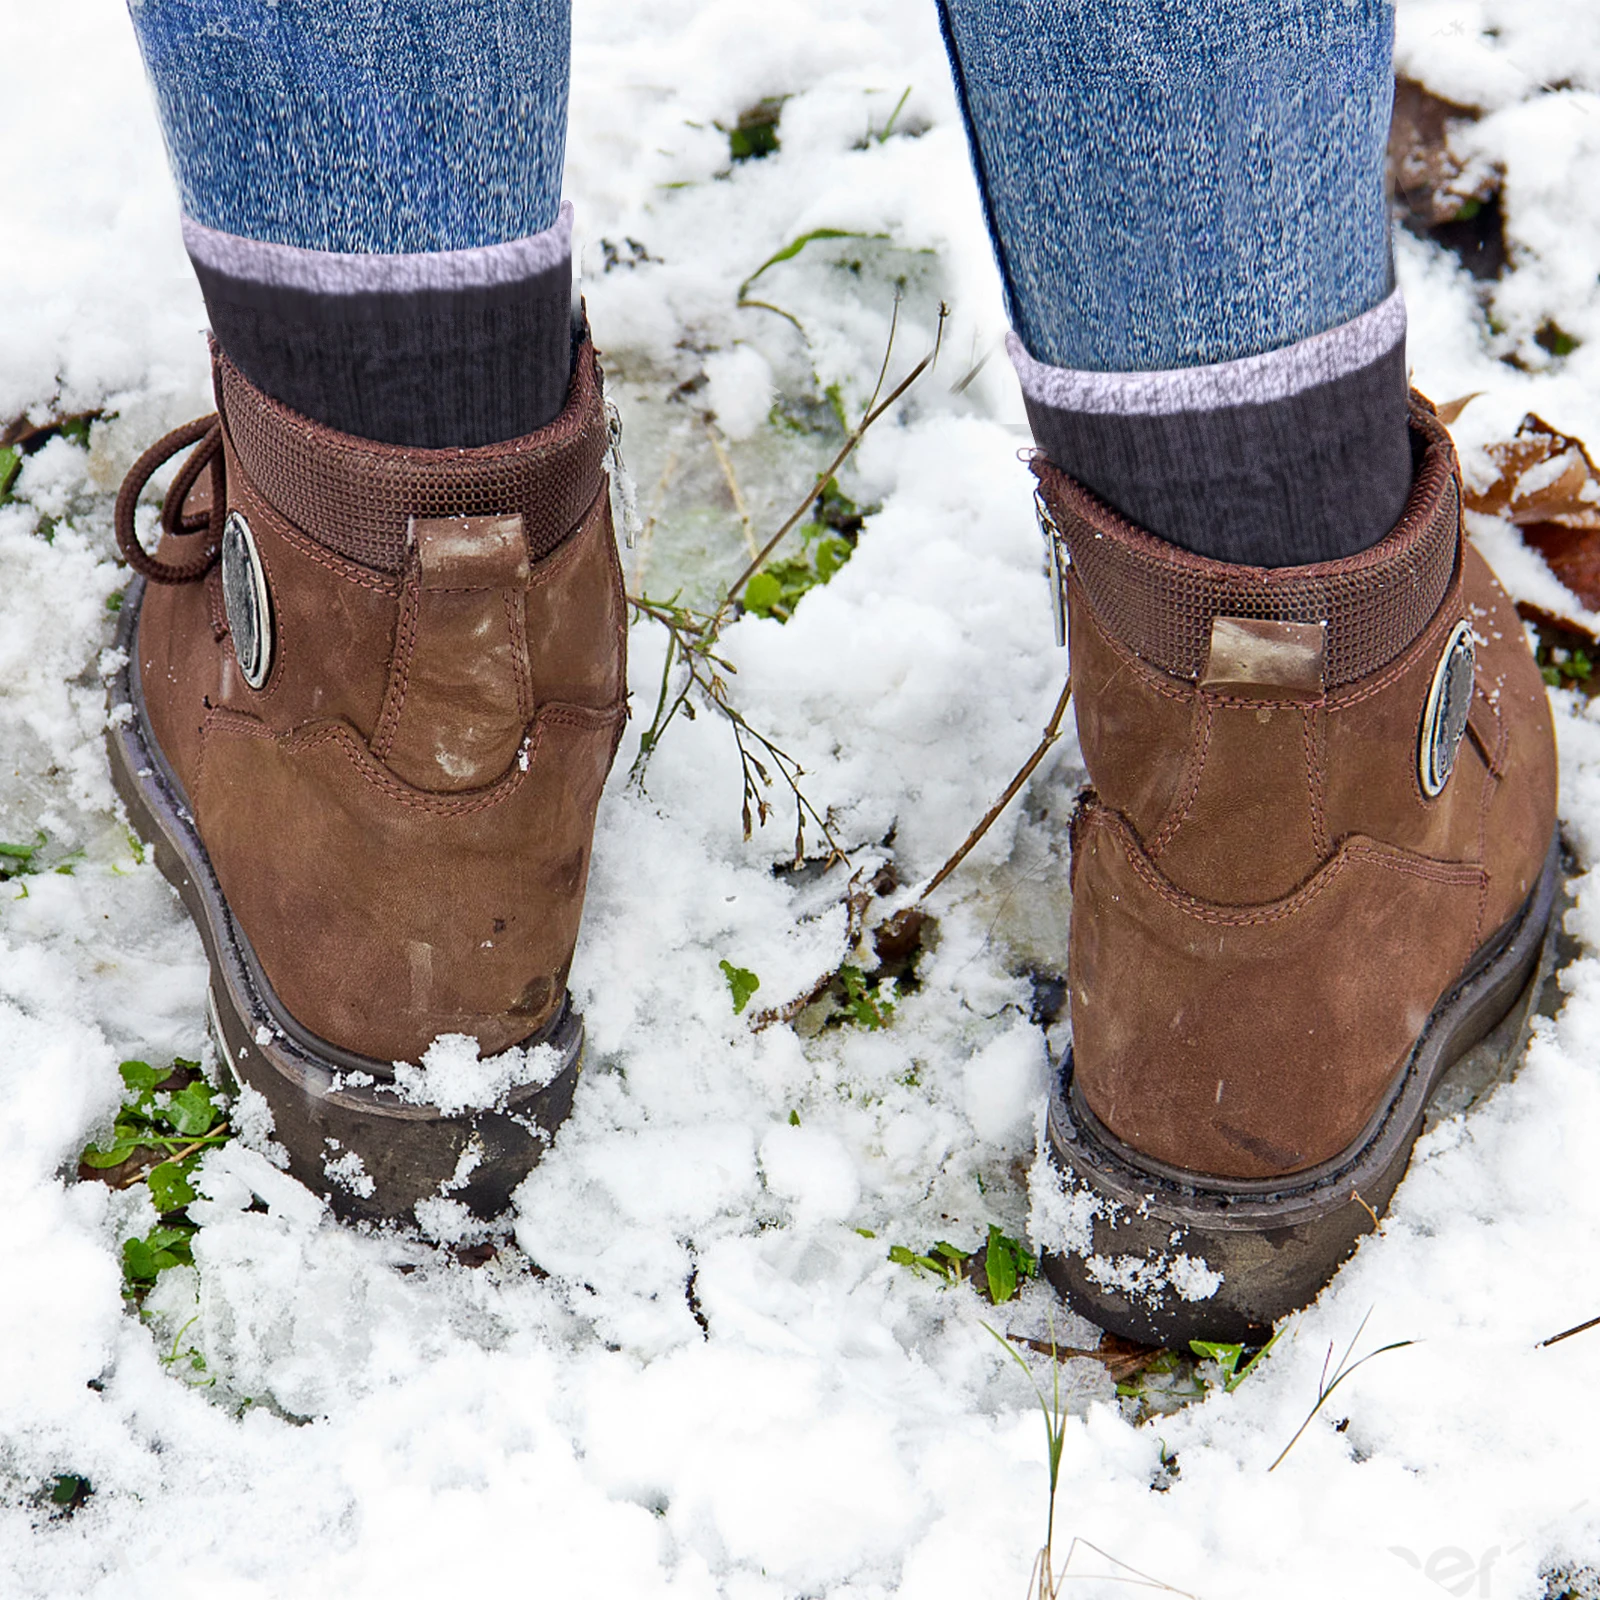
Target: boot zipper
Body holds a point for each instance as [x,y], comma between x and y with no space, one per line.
[1057,561]
[627,489]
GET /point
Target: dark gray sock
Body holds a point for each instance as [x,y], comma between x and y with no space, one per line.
[458,349]
[1286,459]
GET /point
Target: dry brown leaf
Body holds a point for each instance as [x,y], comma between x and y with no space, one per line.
[1424,172]
[1543,476]
[1547,484]
[1452,409]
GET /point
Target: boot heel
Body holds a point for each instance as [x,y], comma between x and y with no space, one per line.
[1161,1257]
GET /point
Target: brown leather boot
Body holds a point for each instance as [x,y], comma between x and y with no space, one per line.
[366,724]
[1315,868]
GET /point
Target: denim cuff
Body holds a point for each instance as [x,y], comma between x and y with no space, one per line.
[1251,380]
[333,272]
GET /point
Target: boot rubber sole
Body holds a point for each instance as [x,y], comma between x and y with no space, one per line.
[1162,1256]
[351,1137]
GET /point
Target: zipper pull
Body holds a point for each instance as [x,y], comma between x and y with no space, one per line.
[627,489]
[1057,561]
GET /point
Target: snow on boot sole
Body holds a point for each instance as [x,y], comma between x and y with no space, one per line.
[1161,1256]
[327,1104]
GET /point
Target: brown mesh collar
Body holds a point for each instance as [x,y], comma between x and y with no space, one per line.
[1159,601]
[357,497]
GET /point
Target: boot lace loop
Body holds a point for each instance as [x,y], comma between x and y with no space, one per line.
[205,434]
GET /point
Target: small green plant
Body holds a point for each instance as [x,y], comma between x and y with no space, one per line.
[1555,340]
[168,1120]
[1042,1582]
[66,1493]
[17,859]
[866,1007]
[10,466]
[881,135]
[829,540]
[1561,666]
[188,1357]
[742,984]
[1006,1261]
[942,1260]
[755,135]
[1228,1357]
[1326,1385]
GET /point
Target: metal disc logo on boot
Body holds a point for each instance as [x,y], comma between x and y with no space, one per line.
[1444,721]
[245,597]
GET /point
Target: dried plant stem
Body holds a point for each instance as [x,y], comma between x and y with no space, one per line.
[1052,732]
[725,461]
[214,1137]
[692,636]
[690,644]
[875,409]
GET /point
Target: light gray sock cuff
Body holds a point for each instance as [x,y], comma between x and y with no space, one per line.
[1252,380]
[333,272]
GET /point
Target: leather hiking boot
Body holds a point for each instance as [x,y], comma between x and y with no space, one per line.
[1315,868]
[370,701]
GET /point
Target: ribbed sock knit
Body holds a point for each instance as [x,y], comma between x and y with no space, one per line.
[1297,456]
[444,349]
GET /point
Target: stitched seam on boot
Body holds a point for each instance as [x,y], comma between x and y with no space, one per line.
[1448,873]
[1445,618]
[464,804]
[405,641]
[1199,750]
[515,602]
[570,548]
[1314,779]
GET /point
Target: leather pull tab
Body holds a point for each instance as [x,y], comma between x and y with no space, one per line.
[1250,653]
[471,552]
[460,693]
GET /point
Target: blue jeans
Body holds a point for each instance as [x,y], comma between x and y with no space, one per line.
[363,125]
[1171,183]
[1168,182]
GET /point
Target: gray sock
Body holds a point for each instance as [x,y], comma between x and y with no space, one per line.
[453,348]
[1297,456]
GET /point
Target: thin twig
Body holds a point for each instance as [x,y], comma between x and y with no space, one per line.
[1139,1580]
[1556,1338]
[215,1136]
[875,409]
[1052,731]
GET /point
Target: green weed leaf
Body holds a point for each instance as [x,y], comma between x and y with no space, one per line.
[1005,1263]
[140,1076]
[191,1110]
[742,983]
[170,1189]
[762,594]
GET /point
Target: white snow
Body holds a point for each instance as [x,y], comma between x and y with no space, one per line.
[716,1384]
[454,1077]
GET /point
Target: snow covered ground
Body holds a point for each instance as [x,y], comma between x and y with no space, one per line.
[716,1383]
